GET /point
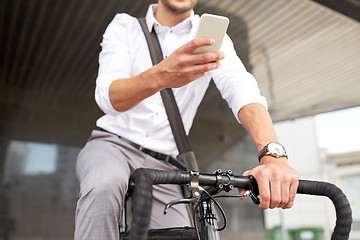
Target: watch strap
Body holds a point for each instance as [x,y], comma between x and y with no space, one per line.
[265,151]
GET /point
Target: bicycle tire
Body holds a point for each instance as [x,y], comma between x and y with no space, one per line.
[184,233]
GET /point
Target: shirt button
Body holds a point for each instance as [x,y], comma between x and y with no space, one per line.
[147,135]
[171,31]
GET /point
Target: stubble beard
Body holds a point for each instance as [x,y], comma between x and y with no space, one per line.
[178,10]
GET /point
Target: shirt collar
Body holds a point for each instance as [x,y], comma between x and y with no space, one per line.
[151,20]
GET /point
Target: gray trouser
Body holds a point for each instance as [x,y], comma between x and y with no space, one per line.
[103,168]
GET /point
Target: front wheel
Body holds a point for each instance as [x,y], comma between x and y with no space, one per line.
[184,233]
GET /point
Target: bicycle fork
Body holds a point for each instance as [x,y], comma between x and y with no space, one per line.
[208,221]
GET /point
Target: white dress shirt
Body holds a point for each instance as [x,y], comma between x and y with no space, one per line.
[125,54]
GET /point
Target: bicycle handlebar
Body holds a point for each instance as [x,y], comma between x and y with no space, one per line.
[148,177]
[341,203]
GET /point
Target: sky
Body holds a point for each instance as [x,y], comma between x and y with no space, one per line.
[41,158]
[339,131]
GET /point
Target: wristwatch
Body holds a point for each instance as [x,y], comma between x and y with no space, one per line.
[273,149]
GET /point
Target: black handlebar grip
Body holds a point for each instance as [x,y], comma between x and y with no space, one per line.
[341,203]
[142,202]
[254,193]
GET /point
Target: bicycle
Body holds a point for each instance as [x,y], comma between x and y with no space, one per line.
[204,189]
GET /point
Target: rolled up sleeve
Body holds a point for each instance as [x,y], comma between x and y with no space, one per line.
[237,86]
[114,60]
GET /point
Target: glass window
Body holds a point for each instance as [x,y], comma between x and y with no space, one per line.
[40,189]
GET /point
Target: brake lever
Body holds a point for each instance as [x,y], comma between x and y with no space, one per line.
[179,201]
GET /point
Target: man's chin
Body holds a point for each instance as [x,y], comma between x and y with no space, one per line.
[179,7]
[180,10]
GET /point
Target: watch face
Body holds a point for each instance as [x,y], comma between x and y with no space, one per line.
[276,149]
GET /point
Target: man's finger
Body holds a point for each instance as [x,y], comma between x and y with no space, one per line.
[292,194]
[241,192]
[206,57]
[196,43]
[275,193]
[264,191]
[203,68]
[285,196]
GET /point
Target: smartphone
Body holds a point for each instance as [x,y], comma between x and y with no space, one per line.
[213,26]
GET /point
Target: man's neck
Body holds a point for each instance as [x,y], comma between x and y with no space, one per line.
[167,18]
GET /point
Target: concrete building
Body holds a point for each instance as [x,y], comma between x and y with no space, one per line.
[341,169]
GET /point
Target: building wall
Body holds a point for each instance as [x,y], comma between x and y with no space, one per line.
[301,141]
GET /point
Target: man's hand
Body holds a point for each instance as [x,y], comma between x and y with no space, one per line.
[183,66]
[180,68]
[277,182]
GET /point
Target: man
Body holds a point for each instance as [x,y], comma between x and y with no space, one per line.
[127,91]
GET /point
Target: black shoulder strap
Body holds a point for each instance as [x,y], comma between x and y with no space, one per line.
[177,126]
